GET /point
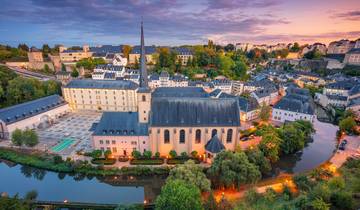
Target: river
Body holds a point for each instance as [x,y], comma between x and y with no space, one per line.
[51,186]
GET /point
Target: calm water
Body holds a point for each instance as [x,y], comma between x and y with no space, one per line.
[58,187]
[53,186]
[316,152]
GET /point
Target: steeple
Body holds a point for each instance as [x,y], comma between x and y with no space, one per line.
[143,73]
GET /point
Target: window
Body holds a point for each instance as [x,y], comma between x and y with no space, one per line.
[213,133]
[182,137]
[198,136]
[113,141]
[101,141]
[166,137]
[143,98]
[229,136]
[107,142]
[114,150]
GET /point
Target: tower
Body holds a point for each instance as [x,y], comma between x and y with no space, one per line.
[144,92]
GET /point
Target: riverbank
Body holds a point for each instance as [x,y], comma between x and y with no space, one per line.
[43,161]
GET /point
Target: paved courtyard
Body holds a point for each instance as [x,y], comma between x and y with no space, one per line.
[352,149]
[76,126]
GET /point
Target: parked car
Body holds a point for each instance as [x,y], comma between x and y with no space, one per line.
[342,146]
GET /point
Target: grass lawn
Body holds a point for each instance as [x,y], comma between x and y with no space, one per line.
[147,161]
[98,161]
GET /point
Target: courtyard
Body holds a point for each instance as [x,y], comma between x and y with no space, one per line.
[68,134]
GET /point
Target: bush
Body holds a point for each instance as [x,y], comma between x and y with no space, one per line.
[342,200]
[147,154]
[57,159]
[16,137]
[147,162]
[157,155]
[136,154]
[194,154]
[31,195]
[180,161]
[107,154]
[104,161]
[184,155]
[173,154]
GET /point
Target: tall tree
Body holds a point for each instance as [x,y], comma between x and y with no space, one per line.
[126,50]
[192,174]
[177,194]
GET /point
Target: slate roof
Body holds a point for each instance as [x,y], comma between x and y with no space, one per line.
[354,102]
[245,104]
[180,92]
[107,49]
[215,93]
[214,145]
[109,67]
[296,90]
[355,90]
[263,92]
[341,85]
[148,50]
[102,84]
[354,51]
[28,109]
[154,76]
[182,51]
[194,112]
[295,104]
[337,97]
[164,74]
[120,124]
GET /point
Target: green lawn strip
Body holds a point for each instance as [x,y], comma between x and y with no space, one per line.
[147,162]
[180,161]
[39,161]
[98,161]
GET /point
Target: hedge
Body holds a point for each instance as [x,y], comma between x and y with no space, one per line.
[175,161]
[147,162]
[98,161]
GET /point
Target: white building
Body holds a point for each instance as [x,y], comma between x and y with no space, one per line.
[101,70]
[31,115]
[296,105]
[353,57]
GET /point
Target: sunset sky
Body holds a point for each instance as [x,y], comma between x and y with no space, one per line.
[176,22]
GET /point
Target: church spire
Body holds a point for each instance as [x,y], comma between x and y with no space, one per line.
[143,73]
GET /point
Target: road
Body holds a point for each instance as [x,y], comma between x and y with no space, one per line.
[30,74]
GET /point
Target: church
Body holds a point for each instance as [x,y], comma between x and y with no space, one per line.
[183,119]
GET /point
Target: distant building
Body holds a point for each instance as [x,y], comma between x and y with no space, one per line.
[134,55]
[353,57]
[72,56]
[36,60]
[31,115]
[340,47]
[295,105]
[103,95]
[100,71]
[184,54]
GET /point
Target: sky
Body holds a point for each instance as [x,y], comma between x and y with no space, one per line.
[177,22]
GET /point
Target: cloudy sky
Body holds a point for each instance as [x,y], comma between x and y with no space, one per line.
[175,22]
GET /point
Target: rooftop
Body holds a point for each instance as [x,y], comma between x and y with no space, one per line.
[194,112]
[120,124]
[28,109]
[102,84]
[214,145]
[180,92]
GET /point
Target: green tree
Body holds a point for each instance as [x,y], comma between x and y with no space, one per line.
[257,157]
[314,54]
[107,154]
[147,154]
[31,195]
[126,50]
[46,50]
[23,47]
[17,137]
[229,47]
[177,194]
[210,202]
[96,153]
[233,169]
[63,67]
[294,139]
[2,92]
[30,138]
[136,154]
[74,73]
[173,154]
[192,174]
[295,47]
[90,63]
[319,204]
[14,203]
[342,200]
[270,145]
[264,112]
[348,125]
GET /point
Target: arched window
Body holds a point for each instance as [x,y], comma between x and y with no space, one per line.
[166,137]
[213,133]
[198,136]
[229,136]
[143,98]
[182,137]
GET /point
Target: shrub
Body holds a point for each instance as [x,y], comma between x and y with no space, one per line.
[57,159]
[16,137]
[194,154]
[147,161]
[173,154]
[147,154]
[184,155]
[96,153]
[103,161]
[136,154]
[31,195]
[157,155]
[342,200]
